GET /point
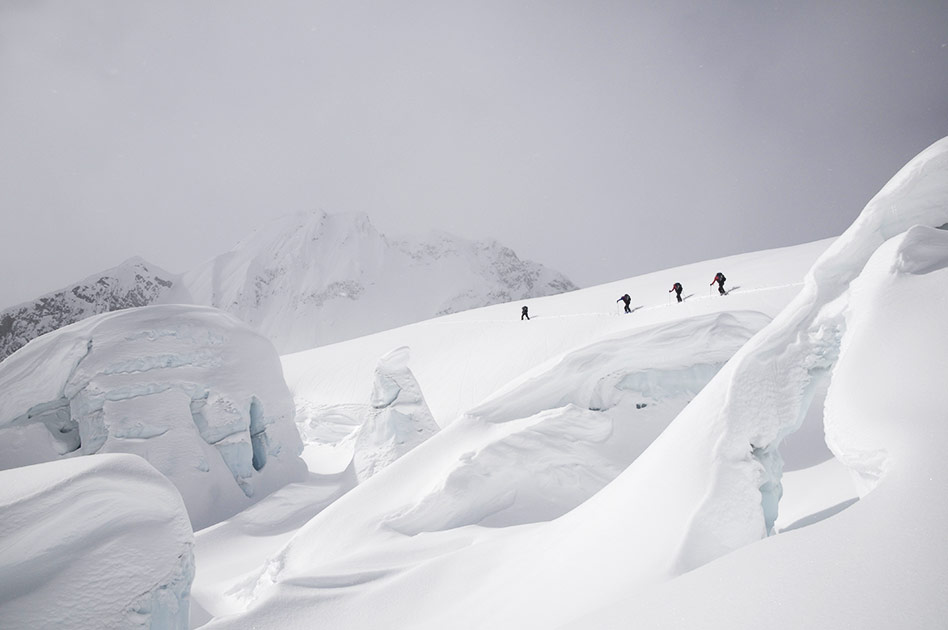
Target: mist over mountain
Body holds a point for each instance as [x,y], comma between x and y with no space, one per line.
[306,279]
[316,278]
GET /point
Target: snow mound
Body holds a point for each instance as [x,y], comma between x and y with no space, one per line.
[99,542]
[531,453]
[190,389]
[398,421]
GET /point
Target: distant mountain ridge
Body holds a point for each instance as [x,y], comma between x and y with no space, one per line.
[135,282]
[304,280]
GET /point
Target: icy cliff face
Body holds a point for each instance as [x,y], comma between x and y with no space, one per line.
[315,278]
[93,542]
[133,283]
[191,389]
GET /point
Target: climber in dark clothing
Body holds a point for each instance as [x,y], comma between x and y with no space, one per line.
[677,289]
[523,313]
[719,278]
[628,300]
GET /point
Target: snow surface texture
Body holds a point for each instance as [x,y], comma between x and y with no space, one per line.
[93,543]
[133,283]
[708,486]
[191,389]
[317,278]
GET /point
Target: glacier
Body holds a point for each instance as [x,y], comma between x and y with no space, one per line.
[704,494]
[588,468]
[191,389]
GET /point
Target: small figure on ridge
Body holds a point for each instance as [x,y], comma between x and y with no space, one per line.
[719,278]
[677,289]
[628,300]
[523,313]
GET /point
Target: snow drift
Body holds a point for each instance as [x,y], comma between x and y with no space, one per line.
[529,454]
[190,389]
[94,542]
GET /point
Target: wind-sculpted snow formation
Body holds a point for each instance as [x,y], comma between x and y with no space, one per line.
[709,485]
[719,462]
[133,283]
[91,543]
[529,454]
[883,562]
[191,389]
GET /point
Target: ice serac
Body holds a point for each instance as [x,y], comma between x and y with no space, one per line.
[93,542]
[770,383]
[398,421]
[315,278]
[133,283]
[191,389]
[881,563]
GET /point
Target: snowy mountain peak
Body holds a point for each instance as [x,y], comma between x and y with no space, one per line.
[135,282]
[315,278]
[306,279]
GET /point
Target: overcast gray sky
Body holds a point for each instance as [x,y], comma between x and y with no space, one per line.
[602,138]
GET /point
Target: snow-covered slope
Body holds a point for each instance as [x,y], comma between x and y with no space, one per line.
[133,283]
[563,426]
[461,359]
[315,278]
[882,563]
[433,540]
[91,543]
[191,389]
